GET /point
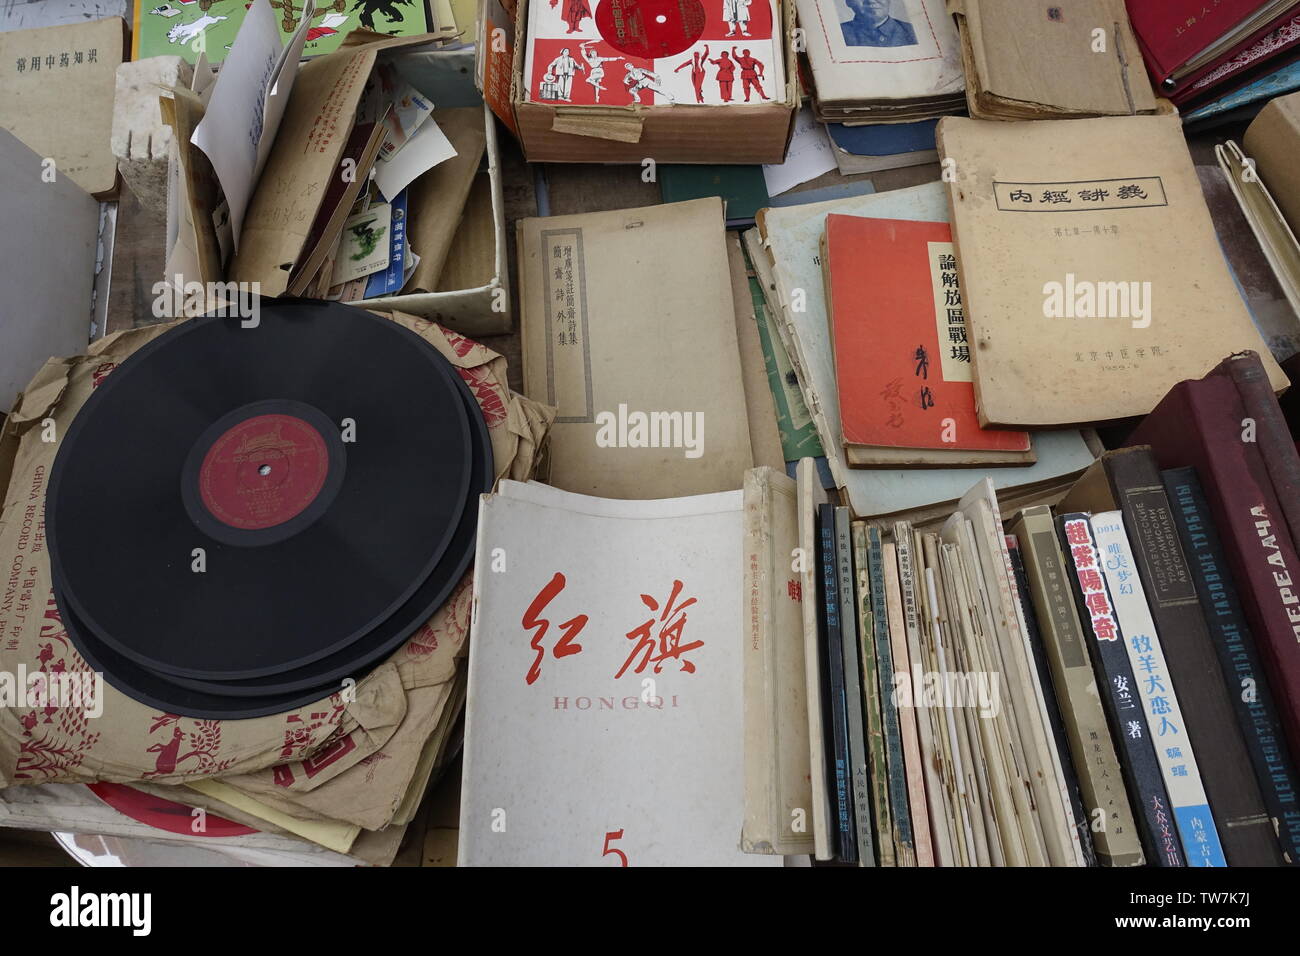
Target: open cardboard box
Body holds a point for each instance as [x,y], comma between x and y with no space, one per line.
[677,133]
[473,294]
[464,210]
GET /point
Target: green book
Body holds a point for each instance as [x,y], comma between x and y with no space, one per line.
[798,432]
[742,188]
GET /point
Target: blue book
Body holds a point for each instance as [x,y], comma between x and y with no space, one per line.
[883,139]
[1279,82]
[863,187]
[836,701]
[895,767]
[389,281]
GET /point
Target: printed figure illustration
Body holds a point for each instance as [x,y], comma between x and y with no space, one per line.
[186,32]
[173,26]
[550,87]
[575,11]
[736,13]
[597,64]
[168,755]
[638,78]
[367,238]
[726,75]
[696,63]
[388,8]
[563,68]
[751,72]
[872,25]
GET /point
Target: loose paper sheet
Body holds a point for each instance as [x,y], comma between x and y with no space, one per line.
[247,103]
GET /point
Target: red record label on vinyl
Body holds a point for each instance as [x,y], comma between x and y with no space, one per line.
[263,471]
[165,814]
[650,28]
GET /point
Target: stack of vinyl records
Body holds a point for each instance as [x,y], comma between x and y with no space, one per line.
[249,513]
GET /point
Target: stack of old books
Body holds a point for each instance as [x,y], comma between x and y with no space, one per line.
[878,66]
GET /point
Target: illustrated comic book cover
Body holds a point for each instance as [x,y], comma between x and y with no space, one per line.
[186,28]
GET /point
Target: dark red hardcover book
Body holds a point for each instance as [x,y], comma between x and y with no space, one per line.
[1175,33]
[1200,423]
[1266,55]
[1270,432]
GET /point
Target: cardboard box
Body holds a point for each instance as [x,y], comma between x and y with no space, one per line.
[469,294]
[473,295]
[1273,141]
[680,133]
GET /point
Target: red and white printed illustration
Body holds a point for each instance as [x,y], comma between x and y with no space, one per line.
[654,52]
[573,12]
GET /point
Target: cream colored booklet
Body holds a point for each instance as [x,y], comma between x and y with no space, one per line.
[1275,237]
[629,327]
[778,786]
[811,494]
[1092,279]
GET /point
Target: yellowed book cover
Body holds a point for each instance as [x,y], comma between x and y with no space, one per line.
[1092,279]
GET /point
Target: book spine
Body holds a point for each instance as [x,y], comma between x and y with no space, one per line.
[761,826]
[1078,814]
[920,815]
[1115,673]
[905,848]
[858,779]
[1244,827]
[817,719]
[1201,423]
[1271,434]
[941,827]
[1115,837]
[832,650]
[950,832]
[879,784]
[1247,688]
[1166,724]
[924,715]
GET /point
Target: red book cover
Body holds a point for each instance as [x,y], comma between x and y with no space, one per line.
[1201,423]
[1270,52]
[1171,32]
[1270,432]
[902,358]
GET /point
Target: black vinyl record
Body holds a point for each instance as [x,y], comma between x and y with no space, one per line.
[320,460]
[261,696]
[324,676]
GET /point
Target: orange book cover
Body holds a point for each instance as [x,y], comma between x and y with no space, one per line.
[902,357]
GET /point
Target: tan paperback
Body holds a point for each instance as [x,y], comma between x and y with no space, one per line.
[1092,279]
